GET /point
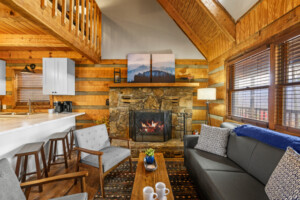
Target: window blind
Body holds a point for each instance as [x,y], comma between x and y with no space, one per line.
[249,86]
[30,86]
[288,83]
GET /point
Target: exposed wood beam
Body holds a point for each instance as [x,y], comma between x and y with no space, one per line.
[36,41]
[32,11]
[220,17]
[184,26]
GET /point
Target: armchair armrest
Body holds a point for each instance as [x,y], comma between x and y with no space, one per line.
[55,178]
[119,138]
[98,153]
[27,185]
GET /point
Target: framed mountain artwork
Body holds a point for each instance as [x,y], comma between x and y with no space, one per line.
[139,68]
[163,68]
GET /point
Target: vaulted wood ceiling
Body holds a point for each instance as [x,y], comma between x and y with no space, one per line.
[205,22]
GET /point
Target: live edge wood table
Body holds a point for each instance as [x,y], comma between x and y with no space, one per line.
[144,178]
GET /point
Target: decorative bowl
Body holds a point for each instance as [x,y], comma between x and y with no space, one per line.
[150,167]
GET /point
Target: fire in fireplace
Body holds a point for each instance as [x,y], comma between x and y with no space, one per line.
[150,126]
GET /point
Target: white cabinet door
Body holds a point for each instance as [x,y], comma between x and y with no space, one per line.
[2,77]
[61,81]
[58,76]
[49,74]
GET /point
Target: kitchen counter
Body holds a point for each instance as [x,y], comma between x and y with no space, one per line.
[11,123]
[17,130]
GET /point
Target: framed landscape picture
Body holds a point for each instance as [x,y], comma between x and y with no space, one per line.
[163,68]
[138,68]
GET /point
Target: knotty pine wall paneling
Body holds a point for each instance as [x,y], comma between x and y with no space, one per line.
[262,25]
[92,85]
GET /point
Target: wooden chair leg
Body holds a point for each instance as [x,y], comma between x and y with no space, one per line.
[25,169]
[130,163]
[18,166]
[38,170]
[44,161]
[77,165]
[55,148]
[101,176]
[68,147]
[65,153]
[72,142]
[50,155]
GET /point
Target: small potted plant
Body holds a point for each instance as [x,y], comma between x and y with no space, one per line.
[149,155]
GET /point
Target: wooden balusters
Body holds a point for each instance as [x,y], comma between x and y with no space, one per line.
[91,22]
[77,17]
[82,18]
[63,12]
[54,8]
[71,13]
[43,4]
[87,30]
[95,25]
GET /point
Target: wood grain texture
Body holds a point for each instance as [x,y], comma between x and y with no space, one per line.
[144,178]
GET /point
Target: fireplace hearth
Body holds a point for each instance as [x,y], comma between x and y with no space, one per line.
[150,126]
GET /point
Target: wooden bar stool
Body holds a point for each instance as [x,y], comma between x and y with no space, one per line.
[63,137]
[71,132]
[27,150]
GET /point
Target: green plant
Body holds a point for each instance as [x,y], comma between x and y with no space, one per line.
[149,152]
[103,120]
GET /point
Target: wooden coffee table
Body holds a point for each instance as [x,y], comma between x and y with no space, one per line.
[144,178]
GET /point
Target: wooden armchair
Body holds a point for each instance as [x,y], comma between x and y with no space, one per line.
[10,187]
[94,149]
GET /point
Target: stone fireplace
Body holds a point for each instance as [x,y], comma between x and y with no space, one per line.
[177,101]
[150,126]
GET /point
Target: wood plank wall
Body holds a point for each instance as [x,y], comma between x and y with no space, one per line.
[92,85]
[258,27]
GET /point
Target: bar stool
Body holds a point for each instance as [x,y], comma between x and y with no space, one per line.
[63,137]
[27,150]
[71,131]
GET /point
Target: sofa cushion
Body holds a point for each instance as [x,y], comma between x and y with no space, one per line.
[235,186]
[213,140]
[240,149]
[209,161]
[80,196]
[111,157]
[9,184]
[92,138]
[263,161]
[284,182]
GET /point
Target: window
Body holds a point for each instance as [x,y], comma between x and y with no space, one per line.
[288,83]
[248,87]
[30,86]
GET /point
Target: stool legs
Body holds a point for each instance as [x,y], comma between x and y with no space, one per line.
[72,143]
[18,166]
[38,170]
[44,162]
[25,168]
[65,145]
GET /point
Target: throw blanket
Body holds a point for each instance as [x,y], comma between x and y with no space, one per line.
[267,136]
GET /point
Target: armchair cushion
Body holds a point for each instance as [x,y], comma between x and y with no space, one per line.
[92,138]
[9,184]
[80,196]
[111,156]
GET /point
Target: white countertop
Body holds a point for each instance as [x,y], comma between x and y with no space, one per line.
[9,123]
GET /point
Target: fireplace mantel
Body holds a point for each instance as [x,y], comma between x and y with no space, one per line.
[141,85]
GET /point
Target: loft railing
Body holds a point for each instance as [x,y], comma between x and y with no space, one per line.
[83,18]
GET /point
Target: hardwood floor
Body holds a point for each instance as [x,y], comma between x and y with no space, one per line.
[62,188]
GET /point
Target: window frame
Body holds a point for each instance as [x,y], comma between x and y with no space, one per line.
[20,105]
[272,103]
[230,90]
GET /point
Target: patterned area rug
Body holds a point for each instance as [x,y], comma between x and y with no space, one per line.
[119,183]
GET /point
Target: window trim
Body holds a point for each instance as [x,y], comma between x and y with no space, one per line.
[19,105]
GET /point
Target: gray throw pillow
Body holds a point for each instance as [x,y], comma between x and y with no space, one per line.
[213,140]
[284,182]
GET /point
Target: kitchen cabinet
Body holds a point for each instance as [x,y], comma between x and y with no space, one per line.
[58,76]
[2,77]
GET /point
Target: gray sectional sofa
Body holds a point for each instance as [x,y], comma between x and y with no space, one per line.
[240,176]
